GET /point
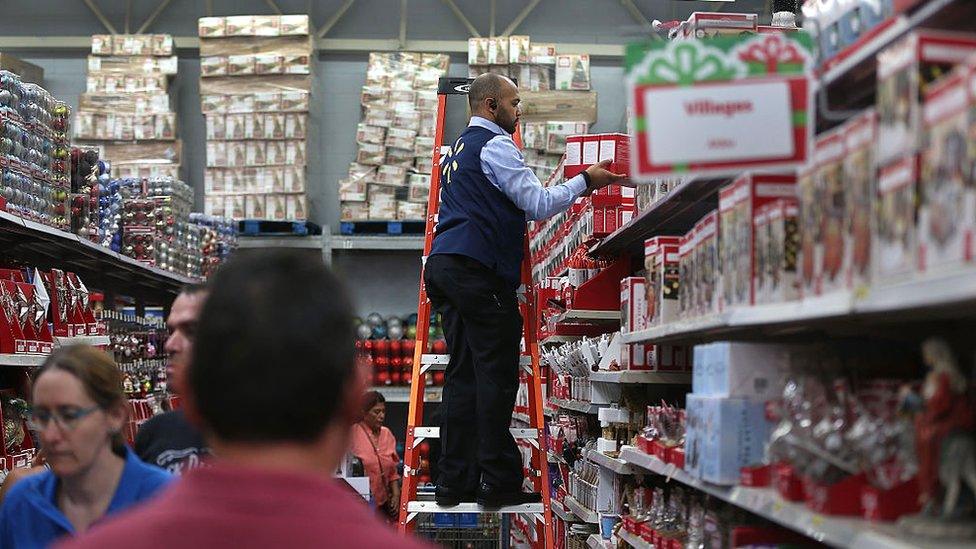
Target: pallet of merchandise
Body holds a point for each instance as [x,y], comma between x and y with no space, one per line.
[261,227]
[381,227]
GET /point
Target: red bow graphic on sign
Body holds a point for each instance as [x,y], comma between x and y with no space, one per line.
[771,53]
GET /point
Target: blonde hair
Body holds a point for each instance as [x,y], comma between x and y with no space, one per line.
[98,374]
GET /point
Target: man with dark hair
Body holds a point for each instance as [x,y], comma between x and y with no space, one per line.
[274,386]
[487,194]
[169,440]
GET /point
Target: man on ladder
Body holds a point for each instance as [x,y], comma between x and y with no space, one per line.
[471,277]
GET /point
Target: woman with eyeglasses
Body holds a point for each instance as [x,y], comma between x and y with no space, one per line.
[78,412]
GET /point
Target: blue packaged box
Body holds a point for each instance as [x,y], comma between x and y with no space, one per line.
[733,369]
[723,436]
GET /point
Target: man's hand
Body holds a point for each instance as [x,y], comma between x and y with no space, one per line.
[600,177]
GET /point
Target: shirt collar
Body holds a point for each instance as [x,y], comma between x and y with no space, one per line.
[482,122]
[125,492]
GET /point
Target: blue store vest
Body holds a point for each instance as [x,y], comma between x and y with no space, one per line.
[475,218]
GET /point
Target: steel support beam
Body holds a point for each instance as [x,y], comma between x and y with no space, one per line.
[463,19]
[520,17]
[152,17]
[403,24]
[493,17]
[274,6]
[128,14]
[331,45]
[330,22]
[636,13]
[101,16]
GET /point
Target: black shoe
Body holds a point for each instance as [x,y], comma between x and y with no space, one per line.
[449,497]
[493,497]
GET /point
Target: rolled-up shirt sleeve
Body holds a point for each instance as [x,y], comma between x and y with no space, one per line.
[503,165]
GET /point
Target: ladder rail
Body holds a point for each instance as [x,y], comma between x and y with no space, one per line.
[416,432]
[415,413]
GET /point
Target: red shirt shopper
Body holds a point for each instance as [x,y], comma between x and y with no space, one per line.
[226,506]
[274,387]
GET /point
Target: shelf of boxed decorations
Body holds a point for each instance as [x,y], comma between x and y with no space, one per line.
[77,244]
[820,283]
[580,320]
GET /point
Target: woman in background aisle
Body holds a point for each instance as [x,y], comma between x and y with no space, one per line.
[375,446]
[78,411]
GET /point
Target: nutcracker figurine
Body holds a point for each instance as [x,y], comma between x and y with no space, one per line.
[946,448]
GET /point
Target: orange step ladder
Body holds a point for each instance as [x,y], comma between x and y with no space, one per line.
[539,514]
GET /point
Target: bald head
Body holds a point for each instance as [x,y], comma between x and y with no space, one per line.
[496,98]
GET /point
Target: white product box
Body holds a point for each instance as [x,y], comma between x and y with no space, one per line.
[947,200]
[661,262]
[573,72]
[297,207]
[633,305]
[519,49]
[498,51]
[895,230]
[478,51]
[738,369]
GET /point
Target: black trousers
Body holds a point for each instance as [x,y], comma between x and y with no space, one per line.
[483,328]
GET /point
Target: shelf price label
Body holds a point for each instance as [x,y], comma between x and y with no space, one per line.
[721,105]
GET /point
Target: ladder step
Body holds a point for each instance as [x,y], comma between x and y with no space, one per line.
[435,432]
[471,507]
[439,362]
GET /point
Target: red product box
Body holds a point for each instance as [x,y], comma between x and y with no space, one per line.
[788,484]
[709,24]
[757,476]
[661,263]
[947,202]
[860,177]
[669,358]
[647,533]
[841,498]
[705,271]
[634,356]
[676,457]
[659,451]
[686,274]
[738,205]
[582,151]
[599,221]
[879,504]
[645,445]
[904,69]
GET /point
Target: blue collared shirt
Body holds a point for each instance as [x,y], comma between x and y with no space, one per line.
[503,164]
[30,516]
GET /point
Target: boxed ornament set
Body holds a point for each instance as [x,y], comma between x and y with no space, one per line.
[126,111]
[390,177]
[255,90]
[34,155]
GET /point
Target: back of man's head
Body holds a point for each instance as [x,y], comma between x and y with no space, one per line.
[275,350]
[488,85]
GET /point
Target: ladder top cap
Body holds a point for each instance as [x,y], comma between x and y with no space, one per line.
[453,85]
[456,85]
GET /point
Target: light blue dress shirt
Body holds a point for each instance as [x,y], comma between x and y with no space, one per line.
[503,164]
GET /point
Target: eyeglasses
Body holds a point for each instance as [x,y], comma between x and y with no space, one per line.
[66,419]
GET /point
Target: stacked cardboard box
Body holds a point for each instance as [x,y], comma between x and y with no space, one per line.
[126,111]
[554,88]
[390,178]
[255,86]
